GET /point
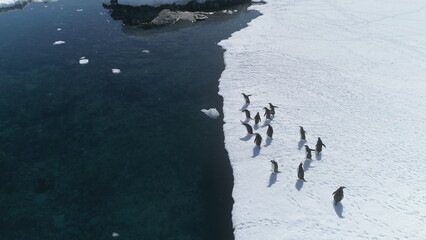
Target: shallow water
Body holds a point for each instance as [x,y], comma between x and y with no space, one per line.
[85,153]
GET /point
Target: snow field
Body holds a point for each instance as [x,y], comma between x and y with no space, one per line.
[352,73]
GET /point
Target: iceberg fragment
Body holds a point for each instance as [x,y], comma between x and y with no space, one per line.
[212,112]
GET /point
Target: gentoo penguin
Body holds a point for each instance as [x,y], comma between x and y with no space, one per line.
[258,140]
[319,145]
[274,166]
[270,131]
[338,195]
[272,108]
[246,97]
[308,152]
[301,173]
[257,118]
[302,133]
[247,112]
[249,128]
[267,113]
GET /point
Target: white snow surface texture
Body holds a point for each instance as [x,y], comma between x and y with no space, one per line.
[154,3]
[11,3]
[352,73]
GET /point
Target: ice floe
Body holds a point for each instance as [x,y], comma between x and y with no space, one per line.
[211,112]
[83,60]
[58,42]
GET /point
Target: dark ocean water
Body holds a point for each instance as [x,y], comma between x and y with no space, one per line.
[85,153]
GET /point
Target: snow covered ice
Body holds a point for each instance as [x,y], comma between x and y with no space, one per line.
[211,112]
[11,3]
[83,60]
[352,73]
[58,42]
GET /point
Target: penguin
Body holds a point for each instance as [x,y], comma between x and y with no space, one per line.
[247,112]
[248,127]
[270,131]
[257,118]
[308,152]
[338,195]
[274,166]
[319,145]
[302,133]
[258,140]
[301,173]
[246,97]
[272,108]
[267,113]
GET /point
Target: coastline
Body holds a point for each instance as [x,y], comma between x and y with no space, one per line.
[89,152]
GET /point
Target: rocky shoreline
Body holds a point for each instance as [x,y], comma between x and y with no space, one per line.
[149,16]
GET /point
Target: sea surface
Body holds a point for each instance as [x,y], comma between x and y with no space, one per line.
[85,153]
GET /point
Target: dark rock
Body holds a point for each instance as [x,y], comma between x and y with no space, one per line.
[148,16]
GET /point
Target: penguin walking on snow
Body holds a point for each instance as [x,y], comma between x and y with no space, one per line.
[270,131]
[302,133]
[257,118]
[258,140]
[272,108]
[248,127]
[246,97]
[247,112]
[267,113]
[274,166]
[301,173]
[319,145]
[308,152]
[338,195]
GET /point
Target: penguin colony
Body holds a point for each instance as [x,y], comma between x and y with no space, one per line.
[269,115]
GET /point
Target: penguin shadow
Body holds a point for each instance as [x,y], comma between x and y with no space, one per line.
[318,156]
[268,141]
[246,120]
[256,151]
[247,137]
[244,107]
[338,208]
[301,144]
[307,164]
[272,179]
[299,184]
[256,126]
[266,122]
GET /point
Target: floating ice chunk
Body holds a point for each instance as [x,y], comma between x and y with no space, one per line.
[84,60]
[58,42]
[145,51]
[58,29]
[79,10]
[212,112]
[114,234]
[116,71]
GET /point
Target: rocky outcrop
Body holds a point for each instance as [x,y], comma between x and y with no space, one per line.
[148,16]
[167,16]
